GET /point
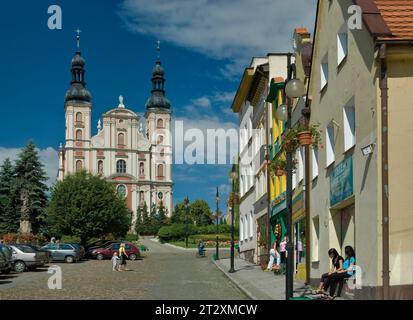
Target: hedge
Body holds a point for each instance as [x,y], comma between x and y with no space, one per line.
[212,237]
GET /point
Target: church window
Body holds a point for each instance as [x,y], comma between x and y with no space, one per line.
[160,123]
[100,167]
[160,170]
[121,191]
[79,117]
[141,169]
[121,139]
[121,166]
[78,165]
[79,134]
[160,139]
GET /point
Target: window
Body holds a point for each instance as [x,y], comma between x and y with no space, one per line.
[324,72]
[315,248]
[160,139]
[78,165]
[65,247]
[349,116]
[241,229]
[159,123]
[79,134]
[141,169]
[121,191]
[251,225]
[314,162]
[79,117]
[141,197]
[121,166]
[300,166]
[330,158]
[246,224]
[121,139]
[100,166]
[160,170]
[342,44]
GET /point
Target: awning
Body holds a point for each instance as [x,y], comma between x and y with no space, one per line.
[275,85]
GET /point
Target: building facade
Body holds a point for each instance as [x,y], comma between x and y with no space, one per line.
[360,91]
[133,153]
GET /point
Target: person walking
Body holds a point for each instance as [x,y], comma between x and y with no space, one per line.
[283,253]
[115,262]
[123,256]
[274,256]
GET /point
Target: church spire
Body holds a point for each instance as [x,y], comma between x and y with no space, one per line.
[158,99]
[77,91]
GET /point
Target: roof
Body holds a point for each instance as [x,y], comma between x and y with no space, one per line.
[242,89]
[398,15]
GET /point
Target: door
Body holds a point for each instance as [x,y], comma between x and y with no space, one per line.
[348,234]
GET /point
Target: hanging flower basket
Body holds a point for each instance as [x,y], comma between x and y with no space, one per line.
[279,172]
[305,138]
[277,167]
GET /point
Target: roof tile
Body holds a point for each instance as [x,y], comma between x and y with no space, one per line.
[398,15]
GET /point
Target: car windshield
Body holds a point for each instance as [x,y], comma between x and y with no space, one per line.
[26,249]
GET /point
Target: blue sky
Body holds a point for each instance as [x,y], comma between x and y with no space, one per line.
[205,46]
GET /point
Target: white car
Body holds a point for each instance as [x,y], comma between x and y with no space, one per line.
[25,257]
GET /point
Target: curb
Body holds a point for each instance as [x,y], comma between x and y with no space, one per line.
[237,284]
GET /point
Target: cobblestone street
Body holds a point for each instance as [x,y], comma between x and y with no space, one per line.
[164,273]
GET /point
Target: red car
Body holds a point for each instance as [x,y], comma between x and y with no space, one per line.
[107,252]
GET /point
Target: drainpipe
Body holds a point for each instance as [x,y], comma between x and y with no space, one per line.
[384,170]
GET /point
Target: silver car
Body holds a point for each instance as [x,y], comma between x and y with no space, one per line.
[62,252]
[25,257]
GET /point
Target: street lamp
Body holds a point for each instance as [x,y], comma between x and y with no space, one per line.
[217,217]
[233,199]
[294,88]
[186,203]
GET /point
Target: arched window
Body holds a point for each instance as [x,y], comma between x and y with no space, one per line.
[160,123]
[141,197]
[100,167]
[160,170]
[121,166]
[79,134]
[160,139]
[121,139]
[78,165]
[79,117]
[141,169]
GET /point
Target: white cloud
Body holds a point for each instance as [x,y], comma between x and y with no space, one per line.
[221,29]
[48,157]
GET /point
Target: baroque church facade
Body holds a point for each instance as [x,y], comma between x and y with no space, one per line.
[133,153]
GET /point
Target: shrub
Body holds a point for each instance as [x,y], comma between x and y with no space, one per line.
[10,238]
[69,239]
[212,237]
[26,238]
[131,237]
[175,232]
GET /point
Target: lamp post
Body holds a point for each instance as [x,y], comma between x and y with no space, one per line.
[233,200]
[186,203]
[294,88]
[217,217]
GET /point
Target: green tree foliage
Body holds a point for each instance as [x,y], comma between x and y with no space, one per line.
[179,214]
[31,177]
[201,213]
[86,206]
[9,218]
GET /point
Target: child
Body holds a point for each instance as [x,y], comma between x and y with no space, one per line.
[115,262]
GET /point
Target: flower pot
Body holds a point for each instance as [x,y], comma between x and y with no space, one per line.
[279,171]
[305,138]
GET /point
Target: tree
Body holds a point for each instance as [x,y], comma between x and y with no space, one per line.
[201,212]
[9,219]
[86,206]
[31,177]
[161,217]
[179,213]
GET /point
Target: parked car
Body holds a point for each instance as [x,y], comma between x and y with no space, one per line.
[63,252]
[82,252]
[44,253]
[6,263]
[25,257]
[107,252]
[97,244]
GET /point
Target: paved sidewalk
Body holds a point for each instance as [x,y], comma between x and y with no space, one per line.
[256,283]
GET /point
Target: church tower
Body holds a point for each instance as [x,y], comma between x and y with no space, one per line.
[78,108]
[158,126]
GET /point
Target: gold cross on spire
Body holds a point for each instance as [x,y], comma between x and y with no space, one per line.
[158,48]
[78,31]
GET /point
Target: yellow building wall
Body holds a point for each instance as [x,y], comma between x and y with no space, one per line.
[401,169]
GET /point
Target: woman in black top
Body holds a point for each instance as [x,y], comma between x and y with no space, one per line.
[336,265]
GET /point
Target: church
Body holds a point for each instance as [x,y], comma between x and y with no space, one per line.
[132,152]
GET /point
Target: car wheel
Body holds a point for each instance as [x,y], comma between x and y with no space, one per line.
[69,259]
[99,256]
[19,266]
[132,256]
